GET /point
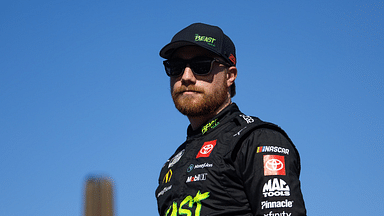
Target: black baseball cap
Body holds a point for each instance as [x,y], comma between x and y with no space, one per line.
[206,36]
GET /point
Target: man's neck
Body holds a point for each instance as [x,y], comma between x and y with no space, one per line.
[197,121]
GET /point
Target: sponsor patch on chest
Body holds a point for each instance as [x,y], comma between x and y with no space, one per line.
[206,149]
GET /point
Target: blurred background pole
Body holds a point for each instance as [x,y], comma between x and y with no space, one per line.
[99,197]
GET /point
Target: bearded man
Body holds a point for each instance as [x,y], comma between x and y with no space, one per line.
[230,163]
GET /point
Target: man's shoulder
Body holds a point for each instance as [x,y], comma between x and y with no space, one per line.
[251,123]
[257,126]
[253,126]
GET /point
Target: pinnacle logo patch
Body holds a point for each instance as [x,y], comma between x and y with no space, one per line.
[206,149]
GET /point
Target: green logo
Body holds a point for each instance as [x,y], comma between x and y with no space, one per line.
[208,40]
[187,205]
[210,125]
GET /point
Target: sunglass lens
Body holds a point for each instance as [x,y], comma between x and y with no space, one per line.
[201,67]
[174,68]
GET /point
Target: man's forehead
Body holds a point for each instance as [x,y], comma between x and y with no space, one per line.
[188,52]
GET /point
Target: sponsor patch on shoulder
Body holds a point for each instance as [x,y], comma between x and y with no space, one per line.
[274,165]
[276,188]
[273,149]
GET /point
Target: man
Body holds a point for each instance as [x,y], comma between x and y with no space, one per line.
[231,163]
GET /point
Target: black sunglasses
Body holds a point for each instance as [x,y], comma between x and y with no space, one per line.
[200,66]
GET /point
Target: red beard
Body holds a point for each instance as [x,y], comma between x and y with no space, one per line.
[201,102]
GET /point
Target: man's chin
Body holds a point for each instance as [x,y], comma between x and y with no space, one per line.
[188,99]
[195,104]
[189,107]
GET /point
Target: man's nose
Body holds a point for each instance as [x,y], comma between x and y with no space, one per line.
[188,74]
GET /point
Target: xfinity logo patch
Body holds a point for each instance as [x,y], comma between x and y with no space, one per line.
[276,188]
[278,214]
[276,204]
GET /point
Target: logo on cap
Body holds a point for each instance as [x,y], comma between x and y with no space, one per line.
[232,58]
[209,40]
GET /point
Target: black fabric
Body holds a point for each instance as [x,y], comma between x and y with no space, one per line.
[252,169]
[207,36]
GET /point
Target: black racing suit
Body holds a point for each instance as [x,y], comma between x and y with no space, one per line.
[233,165]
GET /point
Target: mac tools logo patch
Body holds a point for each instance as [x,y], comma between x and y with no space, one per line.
[276,188]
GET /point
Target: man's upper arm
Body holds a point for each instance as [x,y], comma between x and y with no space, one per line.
[269,166]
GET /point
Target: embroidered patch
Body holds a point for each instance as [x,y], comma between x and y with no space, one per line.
[274,165]
[206,149]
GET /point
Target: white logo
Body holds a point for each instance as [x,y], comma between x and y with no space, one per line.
[248,119]
[274,165]
[199,166]
[273,149]
[238,133]
[276,204]
[176,159]
[277,187]
[164,190]
[278,214]
[206,149]
[198,177]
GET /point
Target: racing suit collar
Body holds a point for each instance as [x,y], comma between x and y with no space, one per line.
[214,122]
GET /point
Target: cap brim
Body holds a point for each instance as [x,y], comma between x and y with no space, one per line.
[168,50]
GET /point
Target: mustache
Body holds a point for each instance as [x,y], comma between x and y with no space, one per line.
[183,89]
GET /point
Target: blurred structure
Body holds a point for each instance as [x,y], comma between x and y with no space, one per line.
[99,197]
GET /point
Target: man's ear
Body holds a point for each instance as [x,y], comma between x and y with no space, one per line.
[231,75]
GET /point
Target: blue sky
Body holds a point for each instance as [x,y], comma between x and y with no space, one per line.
[83,92]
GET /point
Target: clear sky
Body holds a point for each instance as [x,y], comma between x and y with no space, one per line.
[83,92]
